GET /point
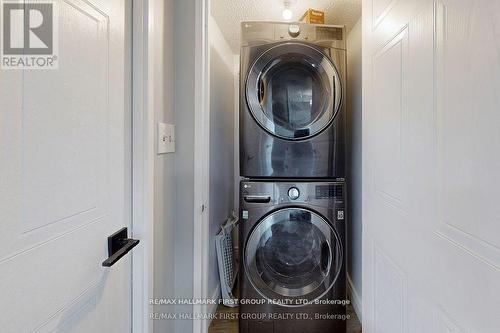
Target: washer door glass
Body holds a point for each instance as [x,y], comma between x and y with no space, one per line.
[293,255]
[293,91]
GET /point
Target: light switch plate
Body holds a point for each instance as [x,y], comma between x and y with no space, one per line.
[166,138]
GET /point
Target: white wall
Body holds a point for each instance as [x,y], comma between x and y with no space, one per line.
[354,101]
[222,144]
[164,197]
[173,80]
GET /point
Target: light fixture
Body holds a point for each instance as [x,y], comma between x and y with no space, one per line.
[287,12]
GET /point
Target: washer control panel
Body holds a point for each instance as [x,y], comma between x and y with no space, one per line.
[329,191]
[297,192]
[293,193]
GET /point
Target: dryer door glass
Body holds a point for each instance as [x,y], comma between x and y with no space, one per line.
[293,91]
[292,255]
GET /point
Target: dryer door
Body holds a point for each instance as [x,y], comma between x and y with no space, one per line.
[293,91]
[293,255]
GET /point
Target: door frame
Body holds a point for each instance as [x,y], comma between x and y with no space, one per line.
[143,157]
[201,235]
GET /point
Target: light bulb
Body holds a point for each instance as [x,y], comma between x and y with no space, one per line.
[287,14]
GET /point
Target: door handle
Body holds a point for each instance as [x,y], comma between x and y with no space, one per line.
[325,258]
[257,198]
[118,246]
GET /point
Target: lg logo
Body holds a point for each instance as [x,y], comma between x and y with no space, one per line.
[29,34]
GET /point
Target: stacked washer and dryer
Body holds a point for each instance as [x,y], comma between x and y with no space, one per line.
[292,196]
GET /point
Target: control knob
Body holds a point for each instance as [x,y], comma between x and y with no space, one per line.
[293,193]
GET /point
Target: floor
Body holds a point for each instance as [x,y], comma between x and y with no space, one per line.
[231,325]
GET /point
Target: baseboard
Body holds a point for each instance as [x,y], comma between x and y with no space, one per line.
[355,299]
[212,308]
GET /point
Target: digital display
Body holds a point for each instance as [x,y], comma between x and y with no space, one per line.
[329,191]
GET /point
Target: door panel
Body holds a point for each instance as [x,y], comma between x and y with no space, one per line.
[431,127]
[68,150]
[389,65]
[473,69]
[389,298]
[64,176]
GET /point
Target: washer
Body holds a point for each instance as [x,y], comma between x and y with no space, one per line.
[293,258]
[292,110]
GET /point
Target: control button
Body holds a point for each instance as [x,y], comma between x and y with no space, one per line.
[294,30]
[293,193]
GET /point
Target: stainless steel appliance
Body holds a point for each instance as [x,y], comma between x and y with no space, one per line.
[293,257]
[292,89]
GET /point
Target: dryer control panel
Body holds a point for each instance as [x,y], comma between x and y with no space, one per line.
[258,33]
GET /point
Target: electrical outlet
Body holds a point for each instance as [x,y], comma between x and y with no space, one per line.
[166,138]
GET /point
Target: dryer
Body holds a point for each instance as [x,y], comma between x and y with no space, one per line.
[292,100]
[293,258]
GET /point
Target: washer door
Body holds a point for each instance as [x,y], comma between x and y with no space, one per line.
[293,91]
[293,255]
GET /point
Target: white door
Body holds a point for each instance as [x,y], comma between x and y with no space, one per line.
[65,179]
[431,180]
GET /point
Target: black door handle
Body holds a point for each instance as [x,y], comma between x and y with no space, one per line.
[257,198]
[118,246]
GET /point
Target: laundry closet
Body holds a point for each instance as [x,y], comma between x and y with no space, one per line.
[250,166]
[285,117]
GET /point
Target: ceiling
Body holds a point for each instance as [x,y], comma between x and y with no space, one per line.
[230,13]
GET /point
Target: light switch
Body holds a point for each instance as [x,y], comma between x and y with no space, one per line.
[166,138]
